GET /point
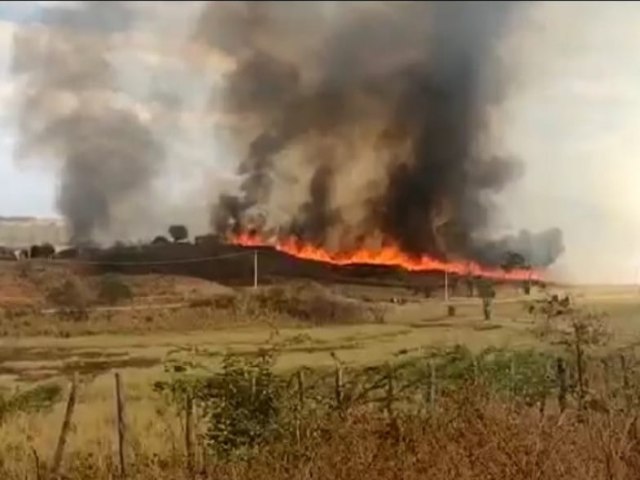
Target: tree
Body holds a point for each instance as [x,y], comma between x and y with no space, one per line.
[512,261]
[178,232]
[160,240]
[515,260]
[34,251]
[47,250]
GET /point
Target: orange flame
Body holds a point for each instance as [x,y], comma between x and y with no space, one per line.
[389,255]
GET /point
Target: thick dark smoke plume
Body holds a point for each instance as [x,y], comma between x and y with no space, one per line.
[72,114]
[365,121]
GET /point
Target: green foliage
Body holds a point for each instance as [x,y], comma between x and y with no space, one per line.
[112,290]
[525,375]
[522,375]
[241,403]
[35,399]
[590,330]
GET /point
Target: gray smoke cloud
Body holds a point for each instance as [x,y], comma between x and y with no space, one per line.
[72,113]
[355,123]
[366,125]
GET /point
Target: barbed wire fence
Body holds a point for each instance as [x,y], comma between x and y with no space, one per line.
[420,385]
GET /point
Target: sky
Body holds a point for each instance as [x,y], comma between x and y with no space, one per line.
[571,113]
[23,191]
[153,67]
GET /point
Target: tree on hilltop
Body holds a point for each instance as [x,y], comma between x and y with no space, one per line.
[178,233]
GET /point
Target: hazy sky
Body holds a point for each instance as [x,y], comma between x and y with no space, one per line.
[22,191]
[571,114]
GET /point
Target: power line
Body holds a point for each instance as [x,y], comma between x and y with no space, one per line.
[157,262]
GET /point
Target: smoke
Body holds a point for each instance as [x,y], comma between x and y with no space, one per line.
[542,248]
[367,121]
[73,114]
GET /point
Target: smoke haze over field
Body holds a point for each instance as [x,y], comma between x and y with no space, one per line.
[447,128]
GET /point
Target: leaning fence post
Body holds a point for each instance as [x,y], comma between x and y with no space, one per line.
[66,425]
[121,426]
[36,462]
[188,435]
[561,372]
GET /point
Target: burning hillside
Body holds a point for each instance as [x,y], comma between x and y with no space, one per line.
[390,256]
[373,145]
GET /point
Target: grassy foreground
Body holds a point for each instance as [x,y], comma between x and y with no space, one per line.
[510,416]
[454,414]
[469,437]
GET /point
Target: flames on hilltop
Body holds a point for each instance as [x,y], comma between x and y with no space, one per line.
[389,255]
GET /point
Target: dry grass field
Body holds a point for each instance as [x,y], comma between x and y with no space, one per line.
[172,319]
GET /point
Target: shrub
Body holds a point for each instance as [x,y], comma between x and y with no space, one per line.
[71,297]
[35,399]
[112,289]
[241,403]
[308,302]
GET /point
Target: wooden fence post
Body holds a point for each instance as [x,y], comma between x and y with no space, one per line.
[606,378]
[36,462]
[390,391]
[188,434]
[338,387]
[66,425]
[300,381]
[512,378]
[561,373]
[625,382]
[580,370]
[476,370]
[253,387]
[432,385]
[121,425]
[300,407]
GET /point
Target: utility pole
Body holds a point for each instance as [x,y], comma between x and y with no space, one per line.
[446,286]
[255,269]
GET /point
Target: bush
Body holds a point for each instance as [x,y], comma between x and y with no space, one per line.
[307,302]
[72,297]
[112,290]
[35,399]
[241,403]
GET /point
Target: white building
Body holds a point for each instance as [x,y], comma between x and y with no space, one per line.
[20,232]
